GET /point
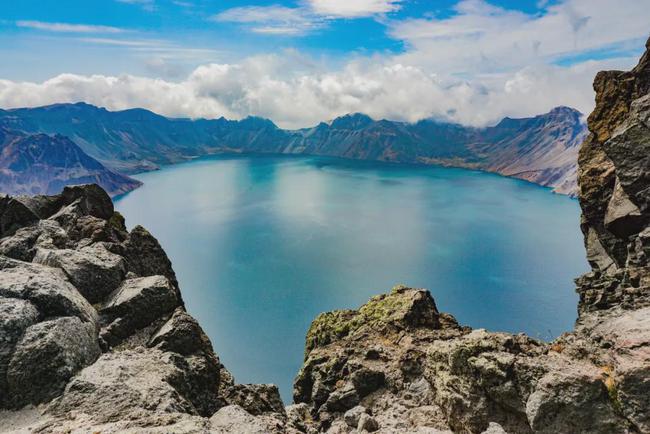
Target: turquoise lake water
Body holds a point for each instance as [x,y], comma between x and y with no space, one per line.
[262,244]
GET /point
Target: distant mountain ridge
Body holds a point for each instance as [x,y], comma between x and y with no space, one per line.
[43,164]
[542,149]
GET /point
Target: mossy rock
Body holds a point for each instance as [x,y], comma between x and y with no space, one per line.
[402,308]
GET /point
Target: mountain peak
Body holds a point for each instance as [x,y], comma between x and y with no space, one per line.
[564,112]
[351,121]
[72,106]
[558,113]
[257,122]
[41,163]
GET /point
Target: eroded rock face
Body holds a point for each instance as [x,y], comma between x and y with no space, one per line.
[93,270]
[93,330]
[47,356]
[614,180]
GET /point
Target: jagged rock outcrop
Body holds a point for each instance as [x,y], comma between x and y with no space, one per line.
[122,355]
[93,329]
[411,368]
[432,374]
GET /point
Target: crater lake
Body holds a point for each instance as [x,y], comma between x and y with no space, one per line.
[262,244]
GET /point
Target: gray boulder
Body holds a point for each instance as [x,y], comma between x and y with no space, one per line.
[131,385]
[573,398]
[95,271]
[367,423]
[257,399]
[15,316]
[145,256]
[47,356]
[90,198]
[234,419]
[47,288]
[136,304]
[182,334]
[14,215]
[22,245]
[352,416]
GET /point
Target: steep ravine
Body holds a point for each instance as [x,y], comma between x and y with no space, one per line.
[94,336]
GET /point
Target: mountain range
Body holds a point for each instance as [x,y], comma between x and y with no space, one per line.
[541,149]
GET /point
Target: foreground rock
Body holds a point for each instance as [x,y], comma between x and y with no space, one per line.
[93,331]
[398,365]
[122,355]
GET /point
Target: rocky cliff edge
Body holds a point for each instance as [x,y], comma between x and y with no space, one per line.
[94,336]
[93,333]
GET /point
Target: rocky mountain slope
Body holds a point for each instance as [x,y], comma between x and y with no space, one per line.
[42,164]
[542,149]
[94,336]
[93,329]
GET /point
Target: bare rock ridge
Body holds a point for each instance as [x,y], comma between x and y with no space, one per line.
[94,336]
[93,329]
[541,149]
[43,164]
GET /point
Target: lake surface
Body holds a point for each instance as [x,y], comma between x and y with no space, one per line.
[263,244]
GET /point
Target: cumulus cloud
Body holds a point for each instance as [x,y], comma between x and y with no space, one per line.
[483,38]
[353,8]
[261,86]
[67,27]
[473,67]
[311,15]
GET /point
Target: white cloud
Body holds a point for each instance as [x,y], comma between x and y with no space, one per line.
[474,67]
[262,86]
[148,5]
[278,20]
[67,27]
[311,15]
[483,38]
[353,8]
[124,42]
[161,52]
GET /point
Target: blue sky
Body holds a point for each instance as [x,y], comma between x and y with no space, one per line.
[321,57]
[40,52]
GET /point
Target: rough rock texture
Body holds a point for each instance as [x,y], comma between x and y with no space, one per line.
[93,331]
[47,355]
[395,365]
